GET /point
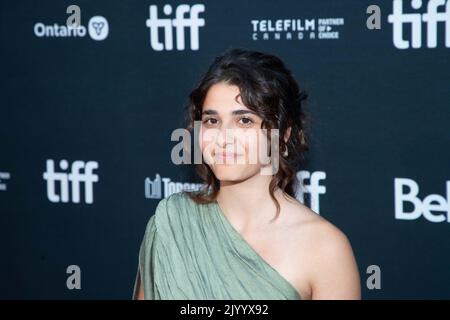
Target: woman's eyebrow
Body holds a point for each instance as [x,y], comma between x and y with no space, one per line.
[209,111]
[242,111]
[234,112]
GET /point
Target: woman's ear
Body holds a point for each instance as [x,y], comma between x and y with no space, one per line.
[287,134]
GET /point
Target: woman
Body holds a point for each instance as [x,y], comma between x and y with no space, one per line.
[245,236]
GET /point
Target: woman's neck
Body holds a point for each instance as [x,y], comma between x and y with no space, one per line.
[248,203]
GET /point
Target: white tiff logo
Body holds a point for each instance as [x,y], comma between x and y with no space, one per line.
[432,202]
[180,22]
[431,18]
[314,188]
[74,178]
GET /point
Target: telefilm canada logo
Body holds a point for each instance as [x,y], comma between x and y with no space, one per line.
[297,29]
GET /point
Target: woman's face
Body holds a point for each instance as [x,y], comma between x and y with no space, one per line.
[231,139]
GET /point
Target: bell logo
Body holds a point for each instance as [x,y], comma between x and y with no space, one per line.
[180,22]
[432,202]
[431,19]
[74,178]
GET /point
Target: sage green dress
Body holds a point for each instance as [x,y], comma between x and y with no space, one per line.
[191,251]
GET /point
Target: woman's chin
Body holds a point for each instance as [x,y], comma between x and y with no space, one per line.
[234,172]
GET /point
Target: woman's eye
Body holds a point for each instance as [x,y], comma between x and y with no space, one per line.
[246,121]
[210,121]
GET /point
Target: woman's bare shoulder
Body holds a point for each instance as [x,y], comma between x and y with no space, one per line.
[307,222]
[325,252]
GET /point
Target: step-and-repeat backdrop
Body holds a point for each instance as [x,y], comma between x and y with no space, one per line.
[92,90]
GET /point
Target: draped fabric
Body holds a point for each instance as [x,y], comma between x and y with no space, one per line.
[191,251]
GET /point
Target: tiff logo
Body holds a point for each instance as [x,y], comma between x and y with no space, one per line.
[180,22]
[74,178]
[313,188]
[431,19]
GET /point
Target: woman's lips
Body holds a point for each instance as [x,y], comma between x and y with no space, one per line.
[227,156]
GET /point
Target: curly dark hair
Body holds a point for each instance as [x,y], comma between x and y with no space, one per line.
[268,88]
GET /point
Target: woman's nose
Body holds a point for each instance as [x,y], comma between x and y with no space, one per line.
[225,136]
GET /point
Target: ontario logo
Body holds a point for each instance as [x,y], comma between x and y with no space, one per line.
[97,29]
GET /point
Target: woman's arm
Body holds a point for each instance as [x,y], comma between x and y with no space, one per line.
[335,275]
[140,291]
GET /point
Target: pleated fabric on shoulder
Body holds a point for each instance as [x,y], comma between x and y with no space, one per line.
[191,251]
